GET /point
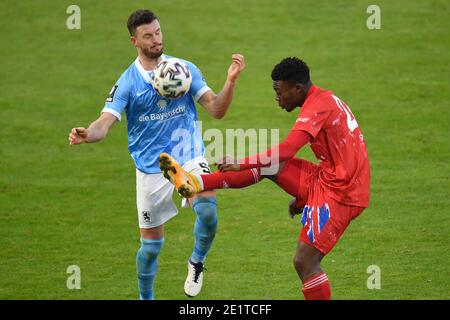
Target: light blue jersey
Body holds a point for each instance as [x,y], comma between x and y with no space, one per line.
[157,124]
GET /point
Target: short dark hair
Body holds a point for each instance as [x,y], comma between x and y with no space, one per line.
[139,18]
[292,70]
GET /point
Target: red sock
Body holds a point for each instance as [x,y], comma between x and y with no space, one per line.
[230,179]
[317,288]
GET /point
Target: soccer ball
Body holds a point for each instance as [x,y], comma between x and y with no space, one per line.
[171,78]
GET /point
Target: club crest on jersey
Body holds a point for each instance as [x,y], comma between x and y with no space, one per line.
[162,104]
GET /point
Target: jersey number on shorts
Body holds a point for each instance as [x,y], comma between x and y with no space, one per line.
[351,121]
[205,167]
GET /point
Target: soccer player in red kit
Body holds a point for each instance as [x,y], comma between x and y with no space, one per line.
[329,195]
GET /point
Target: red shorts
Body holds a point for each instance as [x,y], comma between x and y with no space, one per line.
[324,219]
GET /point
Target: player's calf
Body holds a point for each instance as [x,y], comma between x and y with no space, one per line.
[205,226]
[147,266]
[315,281]
[307,261]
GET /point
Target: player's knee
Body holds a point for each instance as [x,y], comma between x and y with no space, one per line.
[150,248]
[304,264]
[299,263]
[206,210]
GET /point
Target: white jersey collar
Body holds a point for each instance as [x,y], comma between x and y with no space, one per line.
[145,73]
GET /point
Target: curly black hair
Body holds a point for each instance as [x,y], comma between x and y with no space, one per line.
[292,70]
[139,18]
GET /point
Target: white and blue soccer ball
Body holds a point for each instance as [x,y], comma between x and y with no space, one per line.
[171,78]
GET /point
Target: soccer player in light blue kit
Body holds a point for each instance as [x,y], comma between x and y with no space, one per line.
[156,125]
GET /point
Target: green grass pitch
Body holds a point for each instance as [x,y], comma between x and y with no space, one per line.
[63,205]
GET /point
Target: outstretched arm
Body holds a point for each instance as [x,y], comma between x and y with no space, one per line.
[217,105]
[95,132]
[277,154]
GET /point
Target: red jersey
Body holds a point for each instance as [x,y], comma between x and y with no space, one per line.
[338,144]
